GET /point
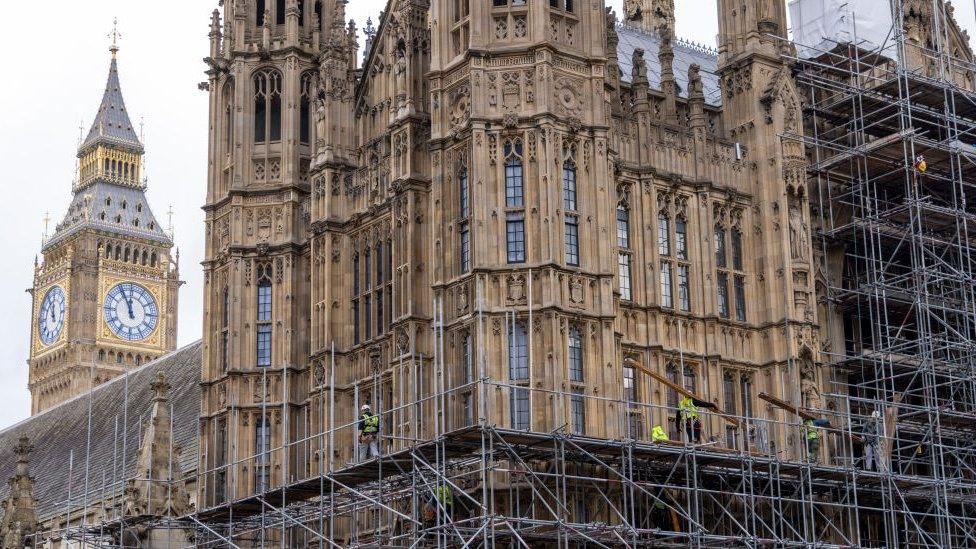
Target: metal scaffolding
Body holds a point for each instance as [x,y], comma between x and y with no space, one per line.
[897,255]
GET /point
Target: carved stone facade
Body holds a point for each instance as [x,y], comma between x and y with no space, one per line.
[349,206]
[105,296]
[506,175]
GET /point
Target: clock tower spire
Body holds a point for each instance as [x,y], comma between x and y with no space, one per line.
[105,294]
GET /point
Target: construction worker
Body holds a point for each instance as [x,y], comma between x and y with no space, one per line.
[688,413]
[658,434]
[871,432]
[812,435]
[446,499]
[369,428]
[660,516]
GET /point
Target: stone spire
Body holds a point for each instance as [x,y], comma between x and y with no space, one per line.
[20,507]
[158,488]
[669,86]
[112,126]
[216,34]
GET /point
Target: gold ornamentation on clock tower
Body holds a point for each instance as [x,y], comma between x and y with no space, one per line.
[105,295]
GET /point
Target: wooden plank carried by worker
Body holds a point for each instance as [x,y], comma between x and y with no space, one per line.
[685,392]
[787,406]
[796,411]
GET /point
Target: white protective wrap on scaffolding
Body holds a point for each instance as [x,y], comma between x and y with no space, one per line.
[820,25]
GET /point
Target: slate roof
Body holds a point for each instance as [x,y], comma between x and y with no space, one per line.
[685,53]
[119,410]
[99,206]
[112,125]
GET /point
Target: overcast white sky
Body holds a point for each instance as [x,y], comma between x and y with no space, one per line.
[54,80]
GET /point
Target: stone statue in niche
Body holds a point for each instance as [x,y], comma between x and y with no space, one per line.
[321,115]
[799,234]
[400,77]
[809,388]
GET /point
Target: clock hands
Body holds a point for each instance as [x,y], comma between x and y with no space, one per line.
[128,301]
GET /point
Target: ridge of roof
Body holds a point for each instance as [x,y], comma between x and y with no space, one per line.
[104,386]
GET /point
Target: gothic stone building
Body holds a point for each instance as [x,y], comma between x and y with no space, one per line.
[494,162]
[521,195]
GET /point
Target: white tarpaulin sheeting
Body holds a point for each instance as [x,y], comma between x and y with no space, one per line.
[819,25]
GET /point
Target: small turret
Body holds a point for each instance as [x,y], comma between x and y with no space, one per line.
[20,507]
[669,86]
[216,34]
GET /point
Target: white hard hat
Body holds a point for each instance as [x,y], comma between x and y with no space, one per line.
[365,407]
[875,414]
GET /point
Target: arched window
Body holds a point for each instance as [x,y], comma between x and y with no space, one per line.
[514,198]
[355,274]
[623,226]
[228,116]
[259,12]
[575,354]
[671,371]
[518,354]
[305,125]
[108,251]
[127,254]
[224,332]
[464,231]
[280,12]
[318,13]
[569,186]
[664,234]
[153,259]
[514,190]
[689,379]
[681,238]
[720,254]
[101,355]
[262,447]
[267,106]
[301,13]
[571,229]
[263,317]
[145,257]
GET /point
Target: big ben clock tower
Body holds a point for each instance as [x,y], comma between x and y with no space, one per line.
[105,295]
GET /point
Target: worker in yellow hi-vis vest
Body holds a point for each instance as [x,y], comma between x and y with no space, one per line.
[446,499]
[811,432]
[658,434]
[688,416]
[369,428]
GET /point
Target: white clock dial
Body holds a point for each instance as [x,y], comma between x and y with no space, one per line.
[131,311]
[50,321]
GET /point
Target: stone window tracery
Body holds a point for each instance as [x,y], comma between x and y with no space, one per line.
[267,106]
[572,250]
[305,106]
[264,314]
[464,230]
[514,202]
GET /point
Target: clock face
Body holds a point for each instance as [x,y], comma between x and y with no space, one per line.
[131,311]
[50,321]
